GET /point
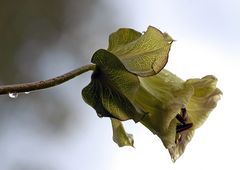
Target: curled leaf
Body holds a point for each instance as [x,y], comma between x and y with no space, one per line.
[167,98]
[111,89]
[130,83]
[144,55]
[120,136]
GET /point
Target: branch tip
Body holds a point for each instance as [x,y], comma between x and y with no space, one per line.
[43,84]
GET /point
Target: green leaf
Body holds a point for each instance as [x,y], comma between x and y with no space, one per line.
[202,102]
[91,96]
[127,84]
[166,95]
[112,88]
[121,37]
[204,99]
[144,55]
[120,137]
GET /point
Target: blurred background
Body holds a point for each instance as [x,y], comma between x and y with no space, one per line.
[54,129]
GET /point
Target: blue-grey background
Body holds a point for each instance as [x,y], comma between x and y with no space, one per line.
[54,129]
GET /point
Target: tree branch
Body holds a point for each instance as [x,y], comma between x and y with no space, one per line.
[27,87]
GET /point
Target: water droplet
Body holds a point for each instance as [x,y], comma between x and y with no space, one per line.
[166,80]
[165,74]
[175,156]
[178,138]
[27,92]
[173,160]
[130,138]
[100,115]
[13,95]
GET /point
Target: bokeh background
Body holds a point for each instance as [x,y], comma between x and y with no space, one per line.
[54,129]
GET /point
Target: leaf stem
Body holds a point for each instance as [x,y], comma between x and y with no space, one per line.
[43,84]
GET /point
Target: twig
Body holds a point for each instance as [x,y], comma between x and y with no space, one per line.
[27,87]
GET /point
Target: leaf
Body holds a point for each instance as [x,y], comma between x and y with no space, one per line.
[112,72]
[121,37]
[167,94]
[91,96]
[204,99]
[112,88]
[202,102]
[144,55]
[120,137]
[127,84]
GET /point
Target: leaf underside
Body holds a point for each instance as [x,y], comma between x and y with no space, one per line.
[120,136]
[111,89]
[144,55]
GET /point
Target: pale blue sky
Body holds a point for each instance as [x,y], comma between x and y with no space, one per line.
[207,34]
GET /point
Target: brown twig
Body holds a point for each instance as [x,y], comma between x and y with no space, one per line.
[27,87]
